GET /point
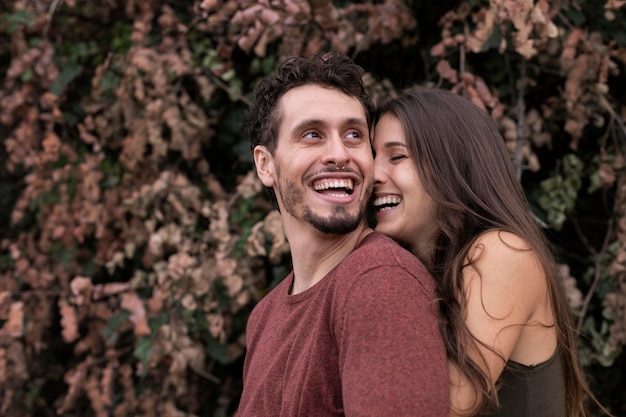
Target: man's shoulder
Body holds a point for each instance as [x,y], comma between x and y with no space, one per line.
[380,269]
[273,296]
[379,248]
[379,259]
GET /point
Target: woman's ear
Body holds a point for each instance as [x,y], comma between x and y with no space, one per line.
[264,162]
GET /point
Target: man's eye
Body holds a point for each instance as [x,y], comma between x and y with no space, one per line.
[355,134]
[311,135]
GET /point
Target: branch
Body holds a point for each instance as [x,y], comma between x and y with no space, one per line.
[368,36]
[221,84]
[610,229]
[205,374]
[596,277]
[613,113]
[520,120]
[571,26]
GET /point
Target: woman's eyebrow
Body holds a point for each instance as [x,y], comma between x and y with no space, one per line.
[393,144]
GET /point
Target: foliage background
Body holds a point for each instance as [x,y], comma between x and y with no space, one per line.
[135,238]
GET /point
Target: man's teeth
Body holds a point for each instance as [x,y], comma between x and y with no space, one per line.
[388,201]
[345,184]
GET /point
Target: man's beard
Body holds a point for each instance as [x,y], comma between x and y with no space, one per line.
[340,222]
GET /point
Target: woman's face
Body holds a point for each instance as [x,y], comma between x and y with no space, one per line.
[403,209]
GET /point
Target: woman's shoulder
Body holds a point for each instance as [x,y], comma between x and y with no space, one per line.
[502,254]
[500,245]
[503,239]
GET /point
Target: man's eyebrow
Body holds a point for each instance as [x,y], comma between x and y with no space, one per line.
[308,123]
[357,122]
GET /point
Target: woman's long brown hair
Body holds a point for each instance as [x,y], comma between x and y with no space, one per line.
[465,167]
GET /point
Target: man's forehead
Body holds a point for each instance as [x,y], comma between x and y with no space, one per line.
[314,104]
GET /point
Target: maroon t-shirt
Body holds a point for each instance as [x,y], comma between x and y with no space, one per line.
[363,341]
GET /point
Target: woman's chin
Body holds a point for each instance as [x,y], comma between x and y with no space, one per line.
[386,229]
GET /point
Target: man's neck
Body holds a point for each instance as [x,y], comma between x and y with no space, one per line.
[314,254]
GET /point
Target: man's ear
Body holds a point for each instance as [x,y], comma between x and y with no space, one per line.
[264,162]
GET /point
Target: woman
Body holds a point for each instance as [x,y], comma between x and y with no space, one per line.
[446,189]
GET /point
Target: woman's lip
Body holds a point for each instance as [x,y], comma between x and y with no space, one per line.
[385,211]
[387,201]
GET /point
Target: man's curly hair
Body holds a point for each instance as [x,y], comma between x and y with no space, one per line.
[329,69]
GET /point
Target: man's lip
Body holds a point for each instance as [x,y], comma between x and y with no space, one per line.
[339,176]
[342,195]
[345,173]
[333,182]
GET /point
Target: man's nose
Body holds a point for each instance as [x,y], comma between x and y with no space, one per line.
[337,153]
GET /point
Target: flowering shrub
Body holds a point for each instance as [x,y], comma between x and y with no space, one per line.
[136,237]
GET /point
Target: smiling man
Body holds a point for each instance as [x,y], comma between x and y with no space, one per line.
[352,330]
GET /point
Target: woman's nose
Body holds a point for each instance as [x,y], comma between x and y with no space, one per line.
[380,175]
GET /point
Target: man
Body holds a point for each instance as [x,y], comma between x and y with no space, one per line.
[352,330]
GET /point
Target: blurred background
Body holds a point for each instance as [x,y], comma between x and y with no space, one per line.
[134,235]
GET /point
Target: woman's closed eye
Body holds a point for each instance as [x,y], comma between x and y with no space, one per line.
[397,157]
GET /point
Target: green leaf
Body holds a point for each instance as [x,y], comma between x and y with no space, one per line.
[218,351]
[69,71]
[561,191]
[143,351]
[109,81]
[493,42]
[114,324]
[20,17]
[575,16]
[26,75]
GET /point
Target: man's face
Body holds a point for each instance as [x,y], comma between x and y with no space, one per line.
[322,168]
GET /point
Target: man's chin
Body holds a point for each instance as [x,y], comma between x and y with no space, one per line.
[335,225]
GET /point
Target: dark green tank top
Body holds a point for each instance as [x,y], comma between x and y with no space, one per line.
[532,391]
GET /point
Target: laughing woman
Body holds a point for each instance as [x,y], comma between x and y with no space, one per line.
[446,189]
